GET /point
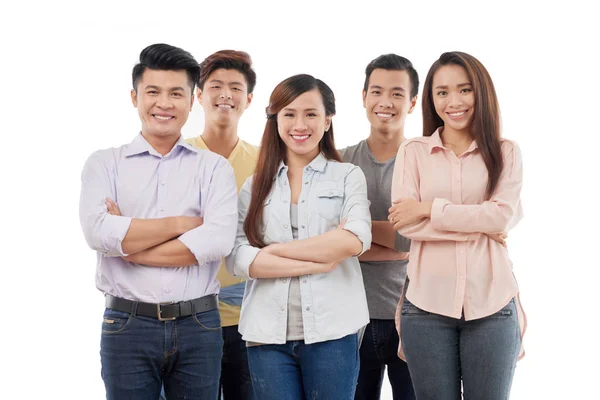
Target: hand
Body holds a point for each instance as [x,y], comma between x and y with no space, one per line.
[113,208]
[342,224]
[408,211]
[498,237]
[323,268]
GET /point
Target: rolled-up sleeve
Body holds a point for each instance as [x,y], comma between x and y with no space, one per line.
[103,232]
[355,209]
[214,239]
[243,254]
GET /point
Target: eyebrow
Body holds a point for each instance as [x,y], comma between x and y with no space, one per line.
[459,85]
[173,89]
[293,109]
[230,83]
[401,89]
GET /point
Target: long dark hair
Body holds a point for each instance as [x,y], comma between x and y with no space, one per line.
[485,126]
[273,150]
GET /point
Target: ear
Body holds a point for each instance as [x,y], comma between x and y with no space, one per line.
[191,102]
[134,97]
[250,97]
[328,122]
[364,92]
[413,103]
[199,95]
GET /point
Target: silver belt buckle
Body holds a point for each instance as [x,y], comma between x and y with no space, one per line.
[159,312]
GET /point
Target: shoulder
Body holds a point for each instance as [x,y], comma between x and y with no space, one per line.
[248,148]
[349,152]
[417,142]
[339,171]
[508,146]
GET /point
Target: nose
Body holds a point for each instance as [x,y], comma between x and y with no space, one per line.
[164,101]
[385,102]
[300,124]
[454,99]
[225,94]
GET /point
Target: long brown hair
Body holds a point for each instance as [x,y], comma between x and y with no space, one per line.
[273,150]
[485,126]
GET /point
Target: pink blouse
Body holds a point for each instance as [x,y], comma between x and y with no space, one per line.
[453,266]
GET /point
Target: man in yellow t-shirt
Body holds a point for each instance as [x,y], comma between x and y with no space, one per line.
[225,91]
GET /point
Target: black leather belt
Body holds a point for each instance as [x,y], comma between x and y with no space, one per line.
[163,311]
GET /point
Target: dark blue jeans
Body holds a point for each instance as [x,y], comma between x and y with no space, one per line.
[140,354]
[235,374]
[441,351]
[298,371]
[379,349]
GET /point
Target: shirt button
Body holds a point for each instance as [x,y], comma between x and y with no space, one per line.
[307,308]
[282,308]
[304,280]
[330,192]
[302,201]
[285,226]
[167,290]
[462,251]
[306,183]
[163,183]
[161,210]
[302,226]
[284,280]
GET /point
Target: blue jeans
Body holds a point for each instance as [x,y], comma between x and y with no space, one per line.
[235,374]
[441,351]
[378,349]
[140,354]
[297,371]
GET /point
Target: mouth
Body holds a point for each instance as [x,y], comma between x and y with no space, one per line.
[300,138]
[385,116]
[225,106]
[163,117]
[457,115]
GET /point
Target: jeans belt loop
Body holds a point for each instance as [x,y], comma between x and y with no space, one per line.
[134,308]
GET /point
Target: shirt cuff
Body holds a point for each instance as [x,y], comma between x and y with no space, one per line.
[243,257]
[362,232]
[114,229]
[203,255]
[437,213]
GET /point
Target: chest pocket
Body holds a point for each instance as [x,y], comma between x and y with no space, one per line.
[329,202]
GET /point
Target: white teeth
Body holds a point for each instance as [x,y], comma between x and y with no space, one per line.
[162,118]
[457,114]
[384,115]
[298,137]
[225,106]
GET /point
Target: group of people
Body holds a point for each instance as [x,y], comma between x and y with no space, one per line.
[296,270]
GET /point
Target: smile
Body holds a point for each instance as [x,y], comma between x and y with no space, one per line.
[300,138]
[384,115]
[163,117]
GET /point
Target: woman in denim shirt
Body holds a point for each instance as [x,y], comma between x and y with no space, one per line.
[303,220]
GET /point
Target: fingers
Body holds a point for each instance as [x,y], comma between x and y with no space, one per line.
[112,207]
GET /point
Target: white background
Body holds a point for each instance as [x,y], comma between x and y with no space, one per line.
[66,77]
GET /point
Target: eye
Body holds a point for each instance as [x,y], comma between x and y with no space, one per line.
[311,115]
[288,115]
[236,89]
[466,90]
[176,94]
[215,87]
[152,92]
[442,93]
[399,95]
[375,92]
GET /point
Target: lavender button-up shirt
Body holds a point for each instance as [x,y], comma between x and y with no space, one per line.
[188,182]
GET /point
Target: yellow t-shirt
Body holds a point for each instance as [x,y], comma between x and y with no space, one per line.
[243,160]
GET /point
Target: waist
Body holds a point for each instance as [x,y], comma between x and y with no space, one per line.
[163,311]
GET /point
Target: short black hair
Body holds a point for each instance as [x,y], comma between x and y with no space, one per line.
[164,57]
[394,62]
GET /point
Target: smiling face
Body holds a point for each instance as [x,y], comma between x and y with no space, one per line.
[302,124]
[224,97]
[453,98]
[387,100]
[164,101]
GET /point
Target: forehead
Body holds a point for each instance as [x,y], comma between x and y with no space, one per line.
[450,75]
[389,79]
[227,76]
[164,78]
[310,99]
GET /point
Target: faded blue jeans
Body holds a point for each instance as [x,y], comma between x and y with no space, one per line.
[140,354]
[441,351]
[297,371]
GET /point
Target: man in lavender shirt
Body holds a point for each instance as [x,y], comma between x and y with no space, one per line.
[160,214]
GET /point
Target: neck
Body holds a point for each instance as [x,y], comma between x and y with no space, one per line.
[385,145]
[220,139]
[162,144]
[299,161]
[455,138]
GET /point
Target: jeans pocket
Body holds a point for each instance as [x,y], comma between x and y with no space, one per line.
[329,203]
[409,308]
[506,311]
[115,321]
[208,320]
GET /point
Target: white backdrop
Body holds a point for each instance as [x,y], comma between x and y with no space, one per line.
[66,76]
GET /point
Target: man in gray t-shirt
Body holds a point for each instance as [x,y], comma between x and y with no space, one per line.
[389,95]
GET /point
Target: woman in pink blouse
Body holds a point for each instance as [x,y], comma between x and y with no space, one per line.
[456,194]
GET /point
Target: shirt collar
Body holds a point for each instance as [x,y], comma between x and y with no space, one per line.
[317,164]
[140,145]
[435,141]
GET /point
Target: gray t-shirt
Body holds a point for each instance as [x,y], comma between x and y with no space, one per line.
[383,279]
[295,326]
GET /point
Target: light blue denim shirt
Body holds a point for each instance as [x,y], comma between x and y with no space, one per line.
[333,304]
